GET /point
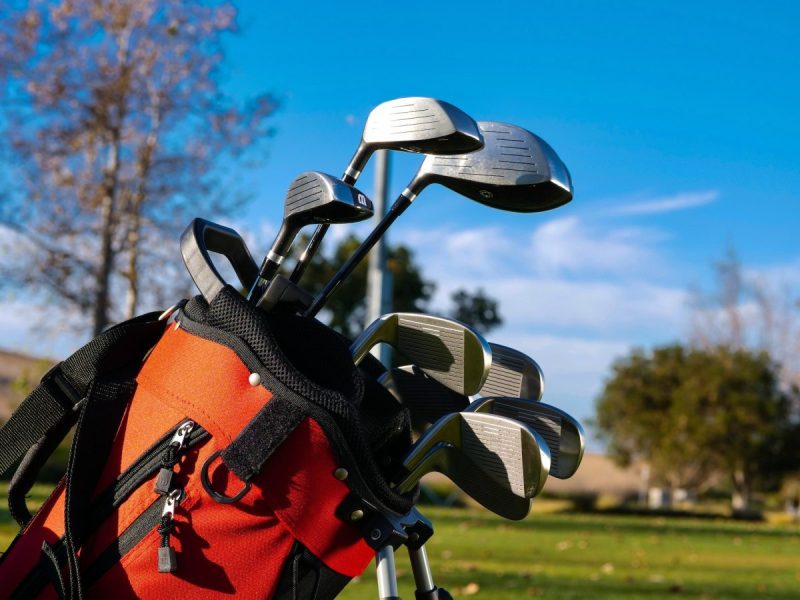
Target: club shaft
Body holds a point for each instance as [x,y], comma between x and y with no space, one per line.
[401,204]
[316,239]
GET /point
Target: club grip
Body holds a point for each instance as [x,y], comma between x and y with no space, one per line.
[202,237]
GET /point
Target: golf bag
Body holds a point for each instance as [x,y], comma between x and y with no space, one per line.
[222,451]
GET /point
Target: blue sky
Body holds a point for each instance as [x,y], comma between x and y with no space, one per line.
[678,121]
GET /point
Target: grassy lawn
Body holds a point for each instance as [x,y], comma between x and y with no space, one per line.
[560,555]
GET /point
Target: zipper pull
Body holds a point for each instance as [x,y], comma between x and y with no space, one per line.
[167,558]
[170,457]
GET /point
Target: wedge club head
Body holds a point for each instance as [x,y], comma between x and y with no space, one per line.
[464,447]
[450,352]
[563,434]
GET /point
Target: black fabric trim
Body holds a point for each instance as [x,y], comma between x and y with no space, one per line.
[231,321]
[306,577]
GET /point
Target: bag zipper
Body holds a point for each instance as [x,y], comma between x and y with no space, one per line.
[113,496]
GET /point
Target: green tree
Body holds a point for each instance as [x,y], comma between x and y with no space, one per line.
[411,292]
[701,415]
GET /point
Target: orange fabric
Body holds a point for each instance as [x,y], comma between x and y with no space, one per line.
[222,549]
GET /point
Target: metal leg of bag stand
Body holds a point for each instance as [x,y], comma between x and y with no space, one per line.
[423,578]
[387,574]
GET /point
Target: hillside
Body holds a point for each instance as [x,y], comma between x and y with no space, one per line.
[14,366]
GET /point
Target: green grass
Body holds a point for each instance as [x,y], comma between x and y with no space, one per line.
[561,555]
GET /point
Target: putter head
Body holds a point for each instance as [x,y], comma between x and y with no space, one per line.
[513,374]
[505,451]
[315,197]
[562,433]
[515,171]
[423,125]
[450,352]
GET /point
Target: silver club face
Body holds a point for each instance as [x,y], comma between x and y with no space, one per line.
[513,374]
[562,433]
[423,125]
[456,465]
[515,171]
[315,197]
[450,352]
[508,452]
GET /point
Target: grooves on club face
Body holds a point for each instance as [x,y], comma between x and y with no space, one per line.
[562,433]
[450,352]
[512,374]
[510,453]
[446,459]
[516,171]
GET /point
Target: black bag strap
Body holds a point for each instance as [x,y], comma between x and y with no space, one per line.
[64,387]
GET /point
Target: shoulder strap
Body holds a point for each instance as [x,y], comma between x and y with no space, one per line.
[64,387]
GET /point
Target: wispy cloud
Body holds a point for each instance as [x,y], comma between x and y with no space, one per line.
[668,203]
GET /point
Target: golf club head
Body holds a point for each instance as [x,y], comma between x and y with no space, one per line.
[422,125]
[450,352]
[315,197]
[563,434]
[513,374]
[515,171]
[425,398]
[508,452]
[446,459]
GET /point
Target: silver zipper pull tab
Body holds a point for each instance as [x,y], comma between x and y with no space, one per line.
[170,457]
[167,557]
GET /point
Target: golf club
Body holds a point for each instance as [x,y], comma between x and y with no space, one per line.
[515,171]
[450,352]
[563,434]
[422,125]
[512,374]
[313,197]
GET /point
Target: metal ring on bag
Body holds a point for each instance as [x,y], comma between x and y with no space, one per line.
[206,481]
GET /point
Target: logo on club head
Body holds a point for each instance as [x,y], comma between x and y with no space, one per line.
[486,194]
[362,200]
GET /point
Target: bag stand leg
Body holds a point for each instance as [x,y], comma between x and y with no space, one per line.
[423,578]
[387,574]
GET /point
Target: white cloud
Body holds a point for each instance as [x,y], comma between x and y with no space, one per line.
[668,203]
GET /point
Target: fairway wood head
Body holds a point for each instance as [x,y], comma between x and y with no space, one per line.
[563,434]
[515,171]
[315,197]
[509,453]
[423,125]
[514,374]
[450,352]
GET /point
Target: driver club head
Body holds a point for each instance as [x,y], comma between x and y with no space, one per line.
[450,352]
[515,170]
[416,124]
[467,446]
[563,433]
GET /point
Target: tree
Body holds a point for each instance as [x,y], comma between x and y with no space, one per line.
[747,310]
[118,133]
[410,291]
[697,415]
